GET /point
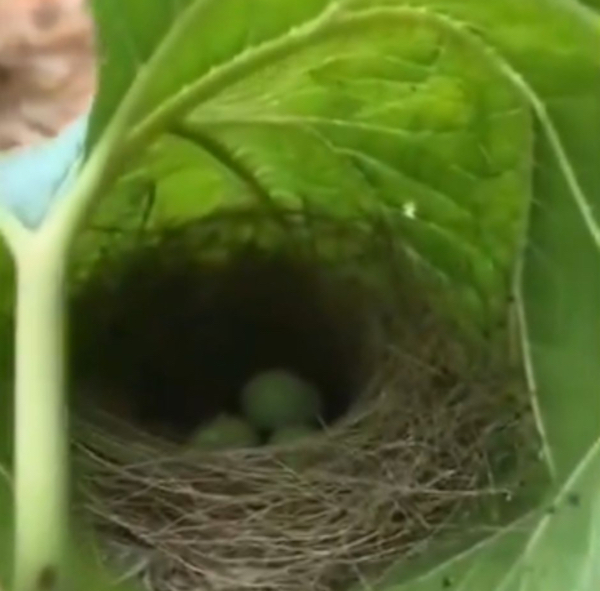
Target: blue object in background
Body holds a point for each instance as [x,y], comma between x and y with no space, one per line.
[33,178]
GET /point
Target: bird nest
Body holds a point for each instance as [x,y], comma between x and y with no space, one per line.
[422,427]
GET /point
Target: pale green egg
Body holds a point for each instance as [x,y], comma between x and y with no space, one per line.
[292,434]
[223,433]
[277,398]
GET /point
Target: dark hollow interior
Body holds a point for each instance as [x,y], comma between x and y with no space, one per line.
[169,341]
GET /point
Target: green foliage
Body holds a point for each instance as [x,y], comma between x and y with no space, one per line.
[6,525]
[552,550]
[439,133]
[593,3]
[457,124]
[445,118]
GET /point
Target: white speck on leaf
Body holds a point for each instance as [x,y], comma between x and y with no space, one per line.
[410,209]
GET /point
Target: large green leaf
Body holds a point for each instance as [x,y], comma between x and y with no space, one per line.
[160,36]
[446,118]
[592,3]
[421,122]
[364,120]
[554,550]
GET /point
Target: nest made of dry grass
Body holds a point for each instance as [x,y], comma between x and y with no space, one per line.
[318,515]
[437,434]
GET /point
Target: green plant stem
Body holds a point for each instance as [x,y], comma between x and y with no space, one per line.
[40,425]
